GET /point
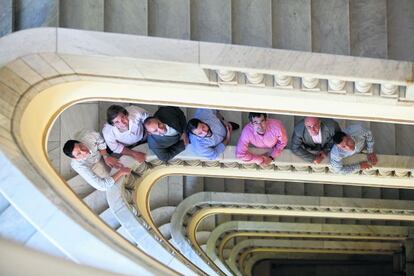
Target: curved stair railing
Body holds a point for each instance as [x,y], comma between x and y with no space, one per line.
[223,234]
[287,166]
[238,254]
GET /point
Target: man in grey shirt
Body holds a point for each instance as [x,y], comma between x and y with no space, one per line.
[312,138]
[352,141]
[91,161]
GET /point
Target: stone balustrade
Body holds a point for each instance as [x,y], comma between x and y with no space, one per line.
[310,71]
[139,230]
[226,231]
[344,86]
[288,166]
[237,258]
[192,210]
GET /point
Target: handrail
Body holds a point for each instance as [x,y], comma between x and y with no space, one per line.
[256,204]
[286,166]
[233,229]
[380,249]
[139,230]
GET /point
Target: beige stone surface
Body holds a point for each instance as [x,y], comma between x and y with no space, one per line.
[40,66]
[28,74]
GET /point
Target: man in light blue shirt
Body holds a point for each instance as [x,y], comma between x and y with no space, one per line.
[209,133]
[352,141]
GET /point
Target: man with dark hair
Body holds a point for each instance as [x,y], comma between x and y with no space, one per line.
[166,132]
[312,138]
[91,161]
[209,133]
[124,129]
[352,141]
[261,133]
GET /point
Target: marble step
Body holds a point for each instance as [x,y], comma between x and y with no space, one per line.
[400,23]
[252,22]
[169,19]
[82,14]
[255,187]
[80,186]
[14,226]
[162,215]
[4,203]
[211,20]
[109,218]
[330,27]
[124,233]
[159,194]
[167,192]
[207,224]
[216,185]
[233,185]
[368,28]
[39,242]
[165,230]
[97,201]
[127,16]
[31,14]
[291,24]
[385,138]
[192,185]
[202,237]
[6,17]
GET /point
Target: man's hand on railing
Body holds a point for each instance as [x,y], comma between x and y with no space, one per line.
[266,160]
[319,157]
[372,158]
[365,165]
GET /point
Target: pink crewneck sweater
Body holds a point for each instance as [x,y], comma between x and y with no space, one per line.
[274,137]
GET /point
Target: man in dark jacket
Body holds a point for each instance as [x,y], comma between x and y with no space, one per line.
[312,138]
[166,130]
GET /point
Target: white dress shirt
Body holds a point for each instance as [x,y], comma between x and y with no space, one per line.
[116,140]
[317,139]
[93,169]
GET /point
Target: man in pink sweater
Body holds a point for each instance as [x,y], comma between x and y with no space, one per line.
[261,133]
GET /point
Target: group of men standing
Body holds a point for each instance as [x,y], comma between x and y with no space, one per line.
[168,133]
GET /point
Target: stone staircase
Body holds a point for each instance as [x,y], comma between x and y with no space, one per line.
[15,227]
[359,28]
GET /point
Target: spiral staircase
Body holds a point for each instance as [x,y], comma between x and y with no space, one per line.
[64,62]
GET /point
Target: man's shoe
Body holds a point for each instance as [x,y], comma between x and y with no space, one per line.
[234,125]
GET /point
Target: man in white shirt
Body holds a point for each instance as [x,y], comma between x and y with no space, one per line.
[124,130]
[91,161]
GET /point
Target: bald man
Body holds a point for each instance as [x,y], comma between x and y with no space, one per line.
[312,138]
